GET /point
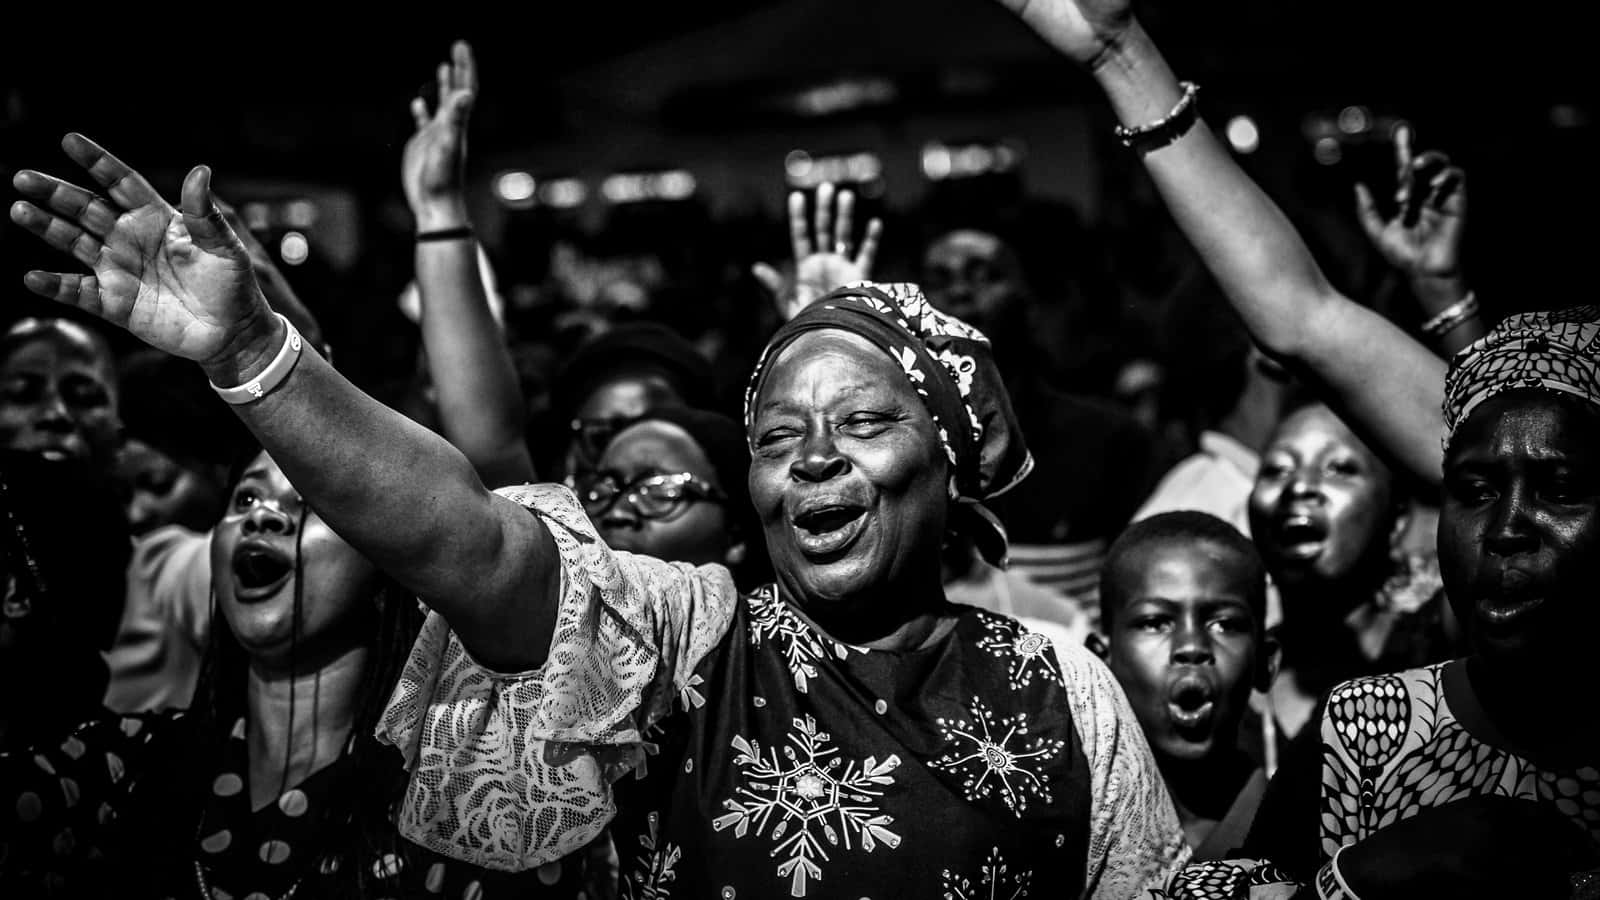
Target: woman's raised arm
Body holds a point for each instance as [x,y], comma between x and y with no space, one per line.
[180,280]
[480,402]
[1388,383]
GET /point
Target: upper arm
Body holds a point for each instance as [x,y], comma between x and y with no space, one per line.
[1387,385]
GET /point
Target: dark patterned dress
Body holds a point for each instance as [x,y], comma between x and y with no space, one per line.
[145,806]
[754,756]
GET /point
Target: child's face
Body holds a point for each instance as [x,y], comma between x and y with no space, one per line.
[1184,644]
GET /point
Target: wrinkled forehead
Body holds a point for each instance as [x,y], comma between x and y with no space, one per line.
[830,361]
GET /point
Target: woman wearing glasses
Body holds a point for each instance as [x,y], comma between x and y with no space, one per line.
[672,485]
[843,731]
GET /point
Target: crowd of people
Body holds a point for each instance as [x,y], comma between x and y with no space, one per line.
[912,616]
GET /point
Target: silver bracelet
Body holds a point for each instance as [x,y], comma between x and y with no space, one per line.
[270,377]
[1451,316]
[1165,130]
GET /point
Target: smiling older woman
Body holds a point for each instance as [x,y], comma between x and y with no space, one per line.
[842,732]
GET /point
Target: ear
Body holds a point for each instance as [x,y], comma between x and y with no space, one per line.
[1269,658]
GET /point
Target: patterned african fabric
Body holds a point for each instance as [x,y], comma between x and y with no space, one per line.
[1390,747]
[144,806]
[736,751]
[1555,351]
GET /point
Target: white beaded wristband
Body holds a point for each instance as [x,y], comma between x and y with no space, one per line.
[270,377]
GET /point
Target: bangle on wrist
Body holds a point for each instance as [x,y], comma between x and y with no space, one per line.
[1449,318]
[270,377]
[462,232]
[1165,130]
[1330,884]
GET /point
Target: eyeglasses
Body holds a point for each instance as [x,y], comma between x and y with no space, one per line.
[652,497]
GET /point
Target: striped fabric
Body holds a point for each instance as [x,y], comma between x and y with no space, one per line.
[1072,570]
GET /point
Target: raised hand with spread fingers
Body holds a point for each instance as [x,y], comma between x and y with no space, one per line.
[823,258]
[177,278]
[433,167]
[181,280]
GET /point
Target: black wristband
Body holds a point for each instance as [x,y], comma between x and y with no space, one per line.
[1143,139]
[445,234]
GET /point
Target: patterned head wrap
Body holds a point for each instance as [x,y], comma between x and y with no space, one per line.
[951,366]
[1551,351]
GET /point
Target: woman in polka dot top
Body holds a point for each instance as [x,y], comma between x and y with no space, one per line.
[272,785]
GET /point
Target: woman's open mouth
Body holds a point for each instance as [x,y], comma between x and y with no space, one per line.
[1300,537]
[827,529]
[259,570]
[1191,704]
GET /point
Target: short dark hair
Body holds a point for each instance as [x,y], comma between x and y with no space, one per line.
[1183,525]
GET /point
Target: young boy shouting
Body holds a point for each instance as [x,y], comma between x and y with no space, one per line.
[1182,600]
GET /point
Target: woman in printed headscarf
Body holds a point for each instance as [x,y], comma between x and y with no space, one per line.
[1477,777]
[843,731]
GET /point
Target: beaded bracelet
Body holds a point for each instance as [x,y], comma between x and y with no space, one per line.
[1451,316]
[270,377]
[1165,130]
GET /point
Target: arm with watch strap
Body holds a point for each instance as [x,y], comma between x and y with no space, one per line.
[481,407]
[1387,384]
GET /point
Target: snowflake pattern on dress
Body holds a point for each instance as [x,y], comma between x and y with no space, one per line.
[802,647]
[986,762]
[995,882]
[819,801]
[654,880]
[1029,653]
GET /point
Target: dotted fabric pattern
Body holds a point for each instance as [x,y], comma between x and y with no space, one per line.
[1552,351]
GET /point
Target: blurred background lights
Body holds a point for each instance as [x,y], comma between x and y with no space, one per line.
[1243,134]
[797,165]
[294,249]
[300,214]
[633,187]
[563,193]
[515,188]
[1327,151]
[968,160]
[1354,120]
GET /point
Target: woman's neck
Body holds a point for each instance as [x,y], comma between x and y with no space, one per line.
[299,722]
[884,621]
[1527,708]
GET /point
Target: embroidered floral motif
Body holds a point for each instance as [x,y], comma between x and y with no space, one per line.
[986,761]
[802,647]
[654,880]
[819,801]
[995,882]
[1029,653]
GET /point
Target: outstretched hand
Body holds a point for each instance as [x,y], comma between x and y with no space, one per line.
[823,261]
[433,167]
[1084,30]
[177,278]
[1423,237]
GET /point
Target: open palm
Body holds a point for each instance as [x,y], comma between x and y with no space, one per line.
[431,169]
[178,279]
